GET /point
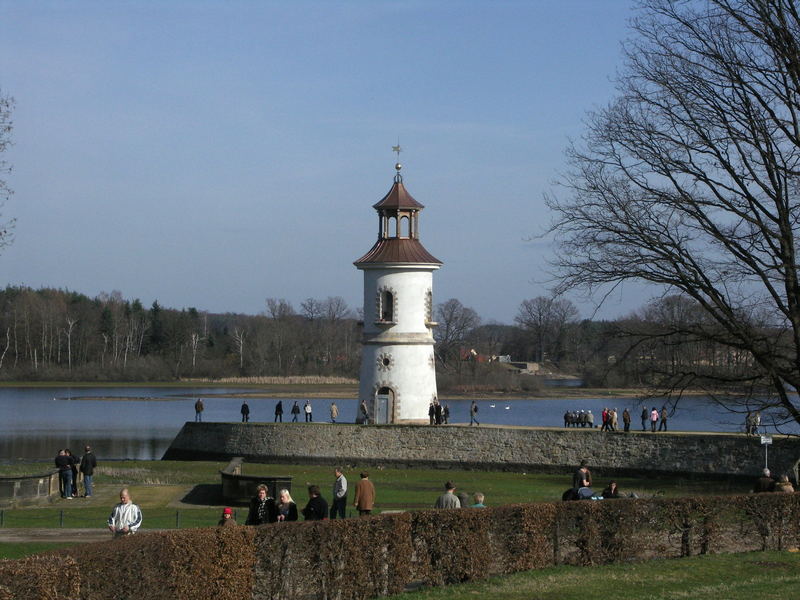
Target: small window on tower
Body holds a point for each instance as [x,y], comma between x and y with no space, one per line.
[387,306]
[404,228]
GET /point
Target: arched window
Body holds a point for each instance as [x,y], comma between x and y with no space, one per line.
[392,227]
[387,306]
[405,228]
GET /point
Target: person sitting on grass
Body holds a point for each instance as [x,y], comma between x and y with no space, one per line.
[784,485]
[611,491]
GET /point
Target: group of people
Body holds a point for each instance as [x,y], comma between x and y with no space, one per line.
[265,509]
[609,419]
[582,486]
[438,414]
[451,499]
[295,411]
[71,470]
[767,483]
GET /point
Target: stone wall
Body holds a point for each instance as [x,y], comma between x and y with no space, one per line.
[27,488]
[494,447]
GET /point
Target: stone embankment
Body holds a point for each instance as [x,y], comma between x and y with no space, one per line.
[487,447]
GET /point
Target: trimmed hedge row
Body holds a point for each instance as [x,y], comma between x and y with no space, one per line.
[361,558]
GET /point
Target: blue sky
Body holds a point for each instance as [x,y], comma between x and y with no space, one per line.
[214,154]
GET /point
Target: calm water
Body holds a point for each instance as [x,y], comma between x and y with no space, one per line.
[36,422]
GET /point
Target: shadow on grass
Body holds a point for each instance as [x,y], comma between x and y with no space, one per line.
[205,494]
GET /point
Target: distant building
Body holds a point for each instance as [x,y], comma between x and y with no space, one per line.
[398,370]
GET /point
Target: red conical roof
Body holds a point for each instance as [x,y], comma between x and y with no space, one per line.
[398,197]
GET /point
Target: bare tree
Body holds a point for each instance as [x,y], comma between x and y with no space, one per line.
[239,335]
[6,107]
[689,180]
[546,320]
[70,326]
[455,322]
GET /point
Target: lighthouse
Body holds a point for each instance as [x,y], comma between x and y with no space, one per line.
[398,370]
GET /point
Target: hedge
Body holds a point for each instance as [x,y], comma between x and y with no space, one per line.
[353,559]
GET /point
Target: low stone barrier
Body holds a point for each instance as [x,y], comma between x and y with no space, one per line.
[240,488]
[22,489]
[487,447]
[354,559]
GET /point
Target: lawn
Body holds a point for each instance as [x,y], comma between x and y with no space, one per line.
[186,494]
[762,575]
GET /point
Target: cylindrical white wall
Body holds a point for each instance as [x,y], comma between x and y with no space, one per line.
[399,354]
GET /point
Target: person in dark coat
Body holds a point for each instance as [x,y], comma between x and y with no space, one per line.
[295,411]
[74,461]
[245,412]
[262,508]
[765,483]
[88,465]
[285,508]
[279,411]
[611,491]
[317,508]
[63,463]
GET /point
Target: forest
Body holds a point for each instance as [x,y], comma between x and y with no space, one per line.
[61,335]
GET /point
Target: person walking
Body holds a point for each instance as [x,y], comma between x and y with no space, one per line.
[626,420]
[663,424]
[295,411]
[339,502]
[446,413]
[431,413]
[437,412]
[589,419]
[644,418]
[473,413]
[307,409]
[88,465]
[448,499]
[364,413]
[126,518]
[612,417]
[279,412]
[604,415]
[285,508]
[365,495]
[317,508]
[262,507]
[245,412]
[334,412]
[653,419]
[198,411]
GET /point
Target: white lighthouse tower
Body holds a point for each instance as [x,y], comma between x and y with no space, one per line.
[398,370]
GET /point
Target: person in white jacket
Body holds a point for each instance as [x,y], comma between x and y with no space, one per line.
[126,517]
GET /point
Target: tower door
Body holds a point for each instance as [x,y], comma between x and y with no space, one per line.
[384,405]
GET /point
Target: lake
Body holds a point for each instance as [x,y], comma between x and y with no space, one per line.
[36,422]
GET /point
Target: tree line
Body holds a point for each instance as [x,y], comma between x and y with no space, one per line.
[50,334]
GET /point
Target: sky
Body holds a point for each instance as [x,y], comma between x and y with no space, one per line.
[215,154]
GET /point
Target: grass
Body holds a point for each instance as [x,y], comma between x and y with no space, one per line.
[15,550]
[762,575]
[164,488]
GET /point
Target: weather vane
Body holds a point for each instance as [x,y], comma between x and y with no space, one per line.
[397,165]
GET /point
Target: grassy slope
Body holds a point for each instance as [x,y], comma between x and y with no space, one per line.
[762,575]
[162,488]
